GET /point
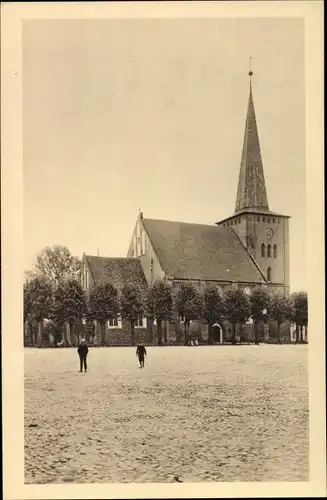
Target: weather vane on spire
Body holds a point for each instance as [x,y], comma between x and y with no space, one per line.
[250,72]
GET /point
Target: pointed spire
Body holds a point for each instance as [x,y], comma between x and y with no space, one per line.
[251,192]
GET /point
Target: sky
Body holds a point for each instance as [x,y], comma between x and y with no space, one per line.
[128,114]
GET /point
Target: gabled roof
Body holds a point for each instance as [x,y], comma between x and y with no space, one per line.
[201,252]
[117,271]
[251,192]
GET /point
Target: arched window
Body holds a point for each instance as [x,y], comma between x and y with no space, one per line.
[269,251]
[269,274]
[263,250]
[275,251]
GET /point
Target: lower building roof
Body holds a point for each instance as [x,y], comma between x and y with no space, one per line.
[117,271]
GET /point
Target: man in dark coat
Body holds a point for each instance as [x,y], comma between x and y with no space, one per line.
[83,352]
[140,353]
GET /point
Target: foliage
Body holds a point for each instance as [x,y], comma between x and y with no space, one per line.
[28,310]
[56,264]
[38,299]
[160,304]
[103,305]
[132,302]
[69,303]
[259,301]
[279,311]
[299,305]
[238,308]
[50,327]
[28,301]
[214,308]
[279,308]
[188,304]
[299,312]
[133,305]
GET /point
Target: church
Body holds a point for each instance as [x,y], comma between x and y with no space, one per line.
[249,248]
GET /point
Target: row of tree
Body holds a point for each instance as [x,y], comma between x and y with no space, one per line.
[67,303]
[53,291]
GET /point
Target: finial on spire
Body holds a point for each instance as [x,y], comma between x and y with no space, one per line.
[250,72]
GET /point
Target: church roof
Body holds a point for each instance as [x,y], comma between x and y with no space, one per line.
[117,271]
[201,252]
[251,192]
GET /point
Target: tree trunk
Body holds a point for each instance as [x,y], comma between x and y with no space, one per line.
[234,334]
[40,333]
[186,337]
[34,339]
[159,332]
[151,332]
[72,334]
[301,334]
[132,332]
[210,332]
[278,333]
[297,334]
[256,332]
[25,340]
[30,332]
[64,333]
[165,332]
[102,326]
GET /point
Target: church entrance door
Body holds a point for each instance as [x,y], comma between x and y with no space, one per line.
[217,334]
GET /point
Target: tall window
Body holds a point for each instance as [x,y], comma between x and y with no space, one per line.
[275,251]
[115,322]
[86,278]
[269,274]
[269,251]
[263,250]
[140,322]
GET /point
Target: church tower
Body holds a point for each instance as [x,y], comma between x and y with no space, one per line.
[265,234]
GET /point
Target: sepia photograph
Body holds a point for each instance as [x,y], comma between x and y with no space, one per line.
[165,284]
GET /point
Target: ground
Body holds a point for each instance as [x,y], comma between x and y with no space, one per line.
[218,413]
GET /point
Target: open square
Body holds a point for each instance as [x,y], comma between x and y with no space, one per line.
[225,413]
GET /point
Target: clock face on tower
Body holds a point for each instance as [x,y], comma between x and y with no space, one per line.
[269,233]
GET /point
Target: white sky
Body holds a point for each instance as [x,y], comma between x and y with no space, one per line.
[121,115]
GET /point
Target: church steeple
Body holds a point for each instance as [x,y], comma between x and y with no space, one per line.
[251,192]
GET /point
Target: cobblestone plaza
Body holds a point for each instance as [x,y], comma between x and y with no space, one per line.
[204,413]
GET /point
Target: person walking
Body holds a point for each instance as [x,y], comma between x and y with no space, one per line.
[83,352]
[140,353]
